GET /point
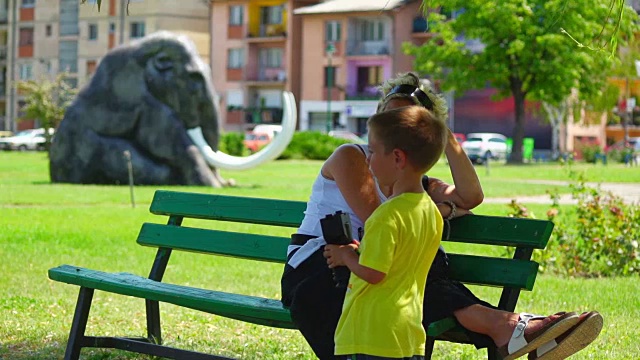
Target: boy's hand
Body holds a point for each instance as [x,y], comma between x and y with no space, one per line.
[339,255]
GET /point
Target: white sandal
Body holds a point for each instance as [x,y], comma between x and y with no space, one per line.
[520,344]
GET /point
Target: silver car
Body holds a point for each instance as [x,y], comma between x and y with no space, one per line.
[32,139]
[482,146]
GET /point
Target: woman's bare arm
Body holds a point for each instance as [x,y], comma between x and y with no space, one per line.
[466,192]
[347,166]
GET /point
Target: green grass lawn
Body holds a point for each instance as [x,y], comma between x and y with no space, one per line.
[43,225]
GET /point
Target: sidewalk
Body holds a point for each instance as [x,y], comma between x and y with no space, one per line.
[630,192]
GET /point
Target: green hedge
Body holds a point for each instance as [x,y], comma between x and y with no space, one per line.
[312,145]
[231,143]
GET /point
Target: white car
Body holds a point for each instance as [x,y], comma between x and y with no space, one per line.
[482,146]
[32,139]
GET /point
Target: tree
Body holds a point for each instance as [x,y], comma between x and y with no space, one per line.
[524,50]
[47,101]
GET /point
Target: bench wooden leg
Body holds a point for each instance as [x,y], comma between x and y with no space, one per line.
[428,347]
[79,325]
[154,332]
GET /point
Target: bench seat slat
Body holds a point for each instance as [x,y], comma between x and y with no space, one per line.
[247,308]
[228,208]
[495,230]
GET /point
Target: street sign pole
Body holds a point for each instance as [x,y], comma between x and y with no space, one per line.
[330,50]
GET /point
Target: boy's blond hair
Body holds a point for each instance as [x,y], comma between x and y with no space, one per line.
[414,130]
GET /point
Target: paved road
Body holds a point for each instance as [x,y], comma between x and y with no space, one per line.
[630,192]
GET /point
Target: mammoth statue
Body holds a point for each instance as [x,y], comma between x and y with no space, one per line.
[152,100]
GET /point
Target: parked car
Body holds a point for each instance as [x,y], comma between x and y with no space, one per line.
[256,141]
[346,135]
[460,137]
[32,139]
[4,134]
[482,146]
[260,136]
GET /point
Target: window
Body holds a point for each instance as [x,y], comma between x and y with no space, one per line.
[112,28]
[368,79]
[235,58]
[26,71]
[26,36]
[93,32]
[332,31]
[91,67]
[271,58]
[372,30]
[68,56]
[271,15]
[47,66]
[236,14]
[329,76]
[47,30]
[137,30]
[28,3]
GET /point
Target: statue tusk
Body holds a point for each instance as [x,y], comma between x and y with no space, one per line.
[279,143]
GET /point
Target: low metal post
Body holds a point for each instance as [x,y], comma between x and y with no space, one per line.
[127,155]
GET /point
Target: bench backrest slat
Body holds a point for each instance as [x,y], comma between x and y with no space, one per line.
[248,246]
[465,268]
[495,230]
[477,229]
[228,208]
[481,270]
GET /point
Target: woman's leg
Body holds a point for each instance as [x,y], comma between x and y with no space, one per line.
[485,324]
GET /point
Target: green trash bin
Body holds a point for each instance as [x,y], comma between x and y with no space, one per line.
[527,149]
[509,147]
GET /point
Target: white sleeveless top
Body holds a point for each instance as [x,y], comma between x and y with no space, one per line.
[325,199]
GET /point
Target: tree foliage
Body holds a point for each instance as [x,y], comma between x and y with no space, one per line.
[47,100]
[525,53]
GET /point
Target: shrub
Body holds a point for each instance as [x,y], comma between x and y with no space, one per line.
[232,143]
[599,237]
[311,145]
[589,152]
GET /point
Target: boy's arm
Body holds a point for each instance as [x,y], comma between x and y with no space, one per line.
[345,255]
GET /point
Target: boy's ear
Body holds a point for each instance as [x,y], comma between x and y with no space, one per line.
[400,158]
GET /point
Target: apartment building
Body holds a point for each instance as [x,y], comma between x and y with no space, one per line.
[263,47]
[40,38]
[348,49]
[256,55]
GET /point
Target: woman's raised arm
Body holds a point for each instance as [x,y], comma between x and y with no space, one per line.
[466,191]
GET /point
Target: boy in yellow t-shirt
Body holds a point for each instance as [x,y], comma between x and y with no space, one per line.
[382,312]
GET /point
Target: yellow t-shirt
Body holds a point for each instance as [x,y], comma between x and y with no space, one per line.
[401,240]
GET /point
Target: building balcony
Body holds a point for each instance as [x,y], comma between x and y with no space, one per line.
[357,47]
[268,33]
[266,76]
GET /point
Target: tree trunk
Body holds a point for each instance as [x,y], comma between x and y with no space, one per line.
[518,131]
[555,115]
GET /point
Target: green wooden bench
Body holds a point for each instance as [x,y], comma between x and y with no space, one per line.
[513,275]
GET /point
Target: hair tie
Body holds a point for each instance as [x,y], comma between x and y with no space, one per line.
[414,92]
